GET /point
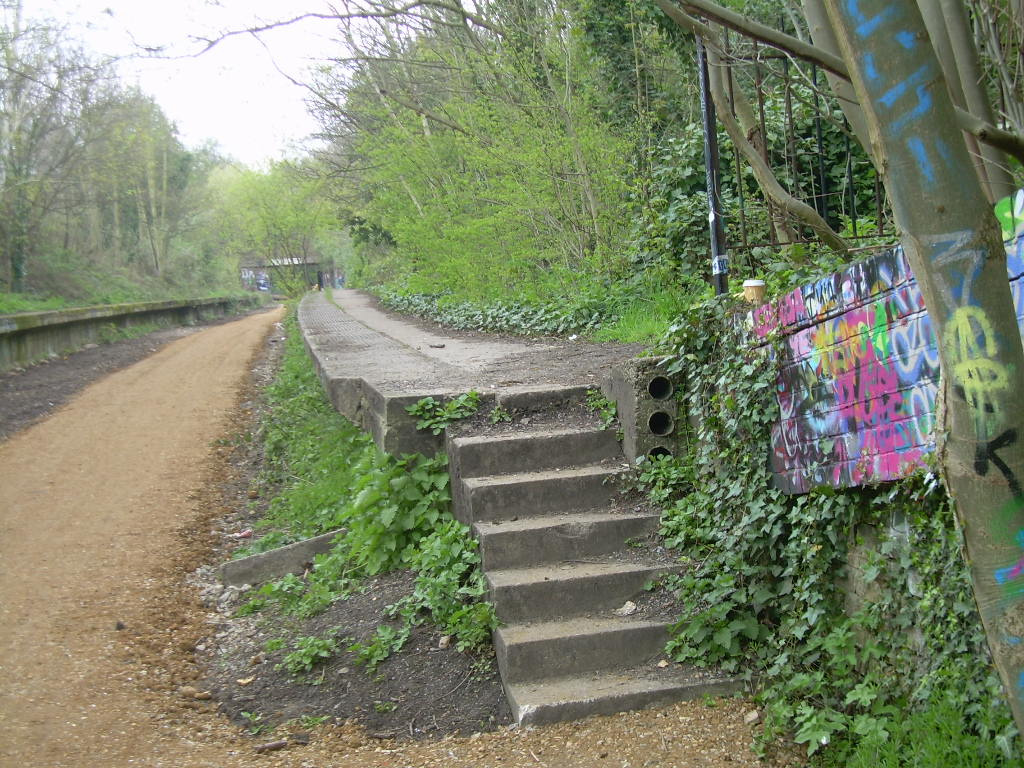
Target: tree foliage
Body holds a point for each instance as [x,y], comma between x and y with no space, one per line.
[99,199]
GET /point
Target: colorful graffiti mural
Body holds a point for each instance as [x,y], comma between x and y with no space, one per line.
[858,384]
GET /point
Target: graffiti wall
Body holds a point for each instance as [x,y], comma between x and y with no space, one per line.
[858,384]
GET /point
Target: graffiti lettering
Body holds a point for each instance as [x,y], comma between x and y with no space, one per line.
[1007,526]
[907,102]
[954,248]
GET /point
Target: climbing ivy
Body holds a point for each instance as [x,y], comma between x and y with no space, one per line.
[762,591]
[567,316]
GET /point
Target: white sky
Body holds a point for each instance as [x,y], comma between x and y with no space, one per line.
[231,94]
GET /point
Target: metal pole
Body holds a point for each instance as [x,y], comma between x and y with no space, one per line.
[821,202]
[716,222]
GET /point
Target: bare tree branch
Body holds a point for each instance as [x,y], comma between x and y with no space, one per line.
[374,10]
[986,132]
[764,174]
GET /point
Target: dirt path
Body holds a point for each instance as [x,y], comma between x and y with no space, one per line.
[91,504]
[107,505]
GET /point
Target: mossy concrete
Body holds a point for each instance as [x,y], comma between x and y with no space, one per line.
[28,337]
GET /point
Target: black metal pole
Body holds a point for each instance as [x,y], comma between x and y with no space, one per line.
[821,201]
[716,222]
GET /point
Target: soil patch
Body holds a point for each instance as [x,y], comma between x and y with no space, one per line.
[427,689]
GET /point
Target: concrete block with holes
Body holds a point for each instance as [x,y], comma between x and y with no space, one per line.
[645,395]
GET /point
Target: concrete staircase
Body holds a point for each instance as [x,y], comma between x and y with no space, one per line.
[552,526]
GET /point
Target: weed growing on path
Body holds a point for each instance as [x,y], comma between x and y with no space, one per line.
[438,416]
[603,407]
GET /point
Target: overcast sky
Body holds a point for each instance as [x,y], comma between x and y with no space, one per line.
[232,94]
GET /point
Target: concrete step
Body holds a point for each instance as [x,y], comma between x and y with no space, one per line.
[532,451]
[533,540]
[533,494]
[544,396]
[574,697]
[529,652]
[549,592]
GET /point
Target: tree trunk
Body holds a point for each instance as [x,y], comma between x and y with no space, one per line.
[825,39]
[953,243]
[938,33]
[18,241]
[968,66]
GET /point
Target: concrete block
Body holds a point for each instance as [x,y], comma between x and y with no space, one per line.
[480,456]
[548,592]
[572,698]
[645,396]
[540,397]
[264,566]
[533,494]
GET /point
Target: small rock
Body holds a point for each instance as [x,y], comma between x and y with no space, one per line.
[444,642]
[628,609]
[203,696]
[271,746]
[662,664]
[752,717]
[119,626]
[188,691]
[298,738]
[245,680]
[259,658]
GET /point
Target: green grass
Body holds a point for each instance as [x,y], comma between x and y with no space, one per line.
[26,302]
[111,333]
[937,736]
[646,319]
[395,512]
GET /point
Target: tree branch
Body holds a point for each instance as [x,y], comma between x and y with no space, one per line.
[750,28]
[382,11]
[764,174]
[1010,143]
